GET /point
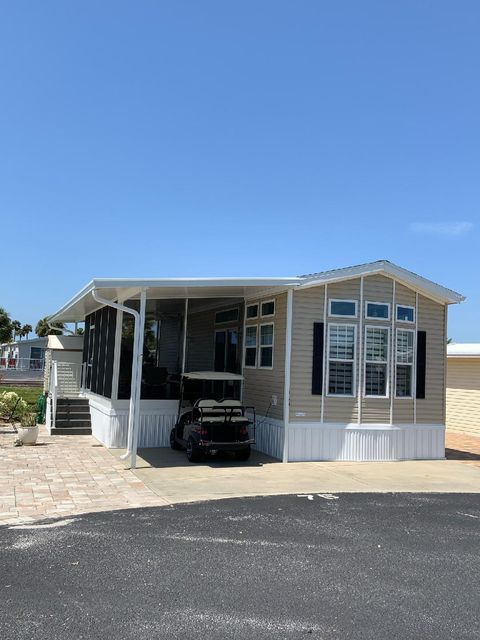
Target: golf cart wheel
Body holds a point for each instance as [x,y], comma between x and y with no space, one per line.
[193,452]
[243,454]
[173,443]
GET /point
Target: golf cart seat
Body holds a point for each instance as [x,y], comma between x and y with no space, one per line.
[225,410]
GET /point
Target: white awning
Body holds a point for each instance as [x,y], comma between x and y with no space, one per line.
[212,375]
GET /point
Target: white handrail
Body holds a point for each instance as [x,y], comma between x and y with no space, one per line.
[54,390]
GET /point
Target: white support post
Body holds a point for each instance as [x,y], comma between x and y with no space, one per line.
[393,354]
[360,354]
[140,332]
[325,336]
[185,324]
[288,359]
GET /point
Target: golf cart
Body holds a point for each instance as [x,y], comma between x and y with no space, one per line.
[207,421]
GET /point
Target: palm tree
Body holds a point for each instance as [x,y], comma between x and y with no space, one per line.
[26,330]
[80,331]
[17,327]
[5,326]
[43,329]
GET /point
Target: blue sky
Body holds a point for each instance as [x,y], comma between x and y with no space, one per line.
[237,138]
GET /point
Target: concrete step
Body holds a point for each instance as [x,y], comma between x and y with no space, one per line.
[71,431]
[71,424]
[83,402]
[74,414]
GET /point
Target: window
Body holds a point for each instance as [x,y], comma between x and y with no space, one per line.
[251,346]
[341,359]
[229,315]
[377,310]
[266,346]
[343,308]
[376,361]
[404,363]
[252,311]
[405,314]
[268,308]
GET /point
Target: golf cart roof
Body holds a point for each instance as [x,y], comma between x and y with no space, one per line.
[212,375]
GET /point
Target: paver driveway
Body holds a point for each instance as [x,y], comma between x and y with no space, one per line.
[69,475]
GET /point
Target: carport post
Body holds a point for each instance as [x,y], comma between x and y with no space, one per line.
[288,358]
[184,348]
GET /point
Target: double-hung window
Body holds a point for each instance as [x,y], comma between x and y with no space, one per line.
[266,346]
[404,358]
[251,346]
[376,361]
[341,359]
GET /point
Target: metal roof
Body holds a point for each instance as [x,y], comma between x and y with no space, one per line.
[242,288]
[464,350]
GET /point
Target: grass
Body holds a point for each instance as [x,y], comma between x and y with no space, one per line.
[29,394]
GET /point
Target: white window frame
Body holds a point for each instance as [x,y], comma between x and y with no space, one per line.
[251,304]
[267,315]
[354,361]
[339,315]
[405,306]
[227,321]
[412,364]
[245,347]
[259,353]
[383,304]
[386,363]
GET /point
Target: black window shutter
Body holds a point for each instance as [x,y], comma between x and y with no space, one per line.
[317,362]
[421,363]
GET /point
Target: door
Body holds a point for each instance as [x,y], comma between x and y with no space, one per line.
[225,359]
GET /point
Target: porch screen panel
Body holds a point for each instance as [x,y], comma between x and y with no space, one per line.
[102,344]
[109,352]
[96,341]
[86,338]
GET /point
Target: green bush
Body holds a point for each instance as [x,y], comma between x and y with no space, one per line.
[8,400]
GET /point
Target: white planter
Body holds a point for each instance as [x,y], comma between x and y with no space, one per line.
[28,435]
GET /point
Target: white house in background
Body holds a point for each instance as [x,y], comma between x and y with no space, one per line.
[463,388]
[347,364]
[23,354]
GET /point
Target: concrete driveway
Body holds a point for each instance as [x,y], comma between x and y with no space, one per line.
[168,474]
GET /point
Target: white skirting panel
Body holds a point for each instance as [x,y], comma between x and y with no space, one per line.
[269,436]
[110,425]
[366,442]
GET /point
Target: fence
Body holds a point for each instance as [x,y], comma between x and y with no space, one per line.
[22,364]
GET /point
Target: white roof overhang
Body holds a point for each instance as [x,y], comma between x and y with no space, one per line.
[83,303]
[465,350]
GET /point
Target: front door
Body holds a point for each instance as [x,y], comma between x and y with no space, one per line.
[226,345]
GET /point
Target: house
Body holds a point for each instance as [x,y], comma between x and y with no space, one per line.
[25,354]
[463,388]
[347,364]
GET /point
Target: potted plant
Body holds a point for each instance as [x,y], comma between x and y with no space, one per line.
[27,432]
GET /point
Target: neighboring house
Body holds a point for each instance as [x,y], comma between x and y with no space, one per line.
[346,364]
[463,388]
[25,354]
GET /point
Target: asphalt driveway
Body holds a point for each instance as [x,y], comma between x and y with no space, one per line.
[383,566]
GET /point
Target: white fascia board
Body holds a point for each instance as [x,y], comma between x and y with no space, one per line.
[408,278]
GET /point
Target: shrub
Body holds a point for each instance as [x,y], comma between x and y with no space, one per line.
[28,420]
[8,400]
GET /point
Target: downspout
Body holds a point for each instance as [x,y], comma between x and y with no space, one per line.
[134,407]
[288,359]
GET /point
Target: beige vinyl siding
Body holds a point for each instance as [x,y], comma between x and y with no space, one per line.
[201,329]
[377,289]
[261,384]
[431,318]
[463,395]
[343,409]
[307,309]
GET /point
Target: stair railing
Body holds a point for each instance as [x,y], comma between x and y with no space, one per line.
[53,390]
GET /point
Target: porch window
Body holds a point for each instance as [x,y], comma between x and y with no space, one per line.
[341,359]
[251,346]
[405,314]
[341,308]
[266,346]
[376,361]
[404,363]
[229,315]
